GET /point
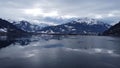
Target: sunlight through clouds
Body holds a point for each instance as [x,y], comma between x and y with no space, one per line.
[39,12]
[34,11]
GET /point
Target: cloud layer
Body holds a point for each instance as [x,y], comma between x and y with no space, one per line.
[55,11]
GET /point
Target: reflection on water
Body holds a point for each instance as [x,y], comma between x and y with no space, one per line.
[52,51]
[95,51]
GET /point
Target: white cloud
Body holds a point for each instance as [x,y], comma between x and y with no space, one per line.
[39,12]
[98,16]
[111,15]
[69,16]
[51,14]
[33,11]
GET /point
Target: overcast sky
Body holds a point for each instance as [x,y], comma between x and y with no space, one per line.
[56,11]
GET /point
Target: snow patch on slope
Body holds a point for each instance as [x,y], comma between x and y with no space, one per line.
[3,30]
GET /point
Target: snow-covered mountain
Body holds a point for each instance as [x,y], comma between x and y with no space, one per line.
[78,26]
[7,27]
[89,21]
[27,26]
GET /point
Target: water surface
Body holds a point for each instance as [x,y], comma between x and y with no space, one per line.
[52,51]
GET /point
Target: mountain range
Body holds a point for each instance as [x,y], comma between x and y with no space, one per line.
[76,26]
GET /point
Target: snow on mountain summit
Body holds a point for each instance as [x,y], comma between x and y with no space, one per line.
[89,21]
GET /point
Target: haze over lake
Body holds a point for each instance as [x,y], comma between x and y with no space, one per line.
[60,51]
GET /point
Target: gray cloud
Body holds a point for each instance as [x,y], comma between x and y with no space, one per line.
[105,9]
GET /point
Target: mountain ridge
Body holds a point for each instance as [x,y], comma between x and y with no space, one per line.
[78,26]
[113,30]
